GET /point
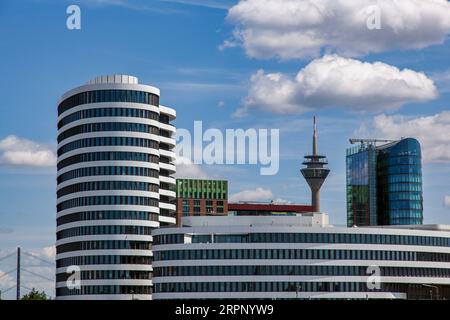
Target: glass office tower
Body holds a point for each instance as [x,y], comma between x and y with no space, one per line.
[115,184]
[400,199]
[361,185]
[384,184]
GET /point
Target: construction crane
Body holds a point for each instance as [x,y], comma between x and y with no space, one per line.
[368,141]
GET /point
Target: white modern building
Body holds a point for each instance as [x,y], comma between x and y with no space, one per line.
[303,257]
[115,185]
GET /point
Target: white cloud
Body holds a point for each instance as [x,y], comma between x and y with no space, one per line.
[17,151]
[334,81]
[187,169]
[304,28]
[442,80]
[258,194]
[281,201]
[447,201]
[216,4]
[433,133]
[6,230]
[7,280]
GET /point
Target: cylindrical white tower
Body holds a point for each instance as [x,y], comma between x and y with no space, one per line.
[115,184]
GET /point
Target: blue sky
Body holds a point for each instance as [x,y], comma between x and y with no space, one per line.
[178,47]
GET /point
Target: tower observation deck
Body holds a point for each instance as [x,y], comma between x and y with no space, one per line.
[316,171]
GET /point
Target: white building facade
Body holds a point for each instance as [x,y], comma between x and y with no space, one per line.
[114,186]
[299,257]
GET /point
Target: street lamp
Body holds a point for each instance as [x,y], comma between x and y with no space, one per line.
[431,291]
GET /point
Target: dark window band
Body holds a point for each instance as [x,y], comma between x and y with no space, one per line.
[114,95]
[108,141]
[107,200]
[107,215]
[108,126]
[104,245]
[108,185]
[102,230]
[108,156]
[102,259]
[108,171]
[108,112]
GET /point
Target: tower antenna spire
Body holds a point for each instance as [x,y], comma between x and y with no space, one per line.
[315,172]
[314,137]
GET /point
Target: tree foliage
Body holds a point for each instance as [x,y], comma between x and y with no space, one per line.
[35,295]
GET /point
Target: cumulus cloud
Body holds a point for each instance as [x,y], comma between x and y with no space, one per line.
[442,80]
[447,201]
[17,151]
[6,230]
[433,133]
[7,280]
[334,81]
[290,29]
[187,169]
[258,194]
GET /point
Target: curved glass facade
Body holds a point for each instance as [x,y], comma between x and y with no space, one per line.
[399,189]
[384,184]
[110,195]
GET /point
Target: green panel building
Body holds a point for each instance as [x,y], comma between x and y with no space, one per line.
[197,197]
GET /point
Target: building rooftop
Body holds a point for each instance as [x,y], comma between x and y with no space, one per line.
[271,206]
[114,78]
[299,220]
[432,227]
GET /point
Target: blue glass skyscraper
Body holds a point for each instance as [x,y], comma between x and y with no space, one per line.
[384,183]
[399,183]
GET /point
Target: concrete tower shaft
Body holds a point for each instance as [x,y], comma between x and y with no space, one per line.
[315,172]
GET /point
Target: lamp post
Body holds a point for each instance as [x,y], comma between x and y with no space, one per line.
[431,291]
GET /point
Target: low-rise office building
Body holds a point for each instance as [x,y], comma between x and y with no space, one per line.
[267,209]
[299,257]
[201,197]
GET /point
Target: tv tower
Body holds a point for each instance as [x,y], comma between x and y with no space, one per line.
[315,172]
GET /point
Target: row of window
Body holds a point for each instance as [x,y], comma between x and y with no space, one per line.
[108,141]
[96,96]
[408,160]
[108,156]
[107,200]
[210,194]
[266,286]
[309,270]
[404,178]
[403,169]
[108,171]
[330,238]
[116,289]
[108,112]
[108,185]
[405,205]
[103,259]
[104,245]
[406,196]
[109,126]
[302,254]
[405,186]
[107,215]
[107,275]
[101,230]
